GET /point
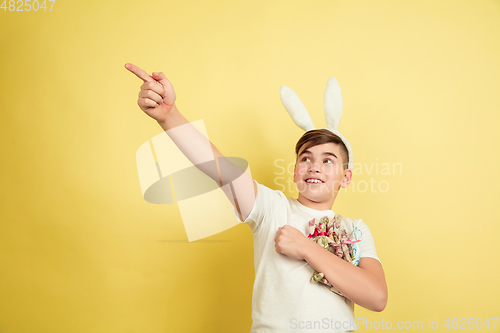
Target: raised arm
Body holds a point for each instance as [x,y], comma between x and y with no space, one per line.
[157,100]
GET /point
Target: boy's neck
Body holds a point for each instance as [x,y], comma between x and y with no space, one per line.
[316,205]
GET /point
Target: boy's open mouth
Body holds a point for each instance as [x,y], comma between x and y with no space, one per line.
[314,181]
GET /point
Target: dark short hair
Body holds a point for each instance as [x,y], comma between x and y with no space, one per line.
[321,136]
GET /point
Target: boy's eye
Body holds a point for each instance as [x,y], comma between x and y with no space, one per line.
[328,160]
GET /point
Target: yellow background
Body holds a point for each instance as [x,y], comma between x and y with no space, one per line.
[81,251]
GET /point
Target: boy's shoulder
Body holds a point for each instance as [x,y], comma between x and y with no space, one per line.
[346,219]
[264,188]
[354,223]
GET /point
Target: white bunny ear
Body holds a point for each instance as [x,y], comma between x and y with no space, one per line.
[333,104]
[296,109]
[333,113]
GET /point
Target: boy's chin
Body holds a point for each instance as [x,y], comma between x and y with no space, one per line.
[315,197]
[316,189]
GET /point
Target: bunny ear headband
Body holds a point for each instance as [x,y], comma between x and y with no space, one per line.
[333,111]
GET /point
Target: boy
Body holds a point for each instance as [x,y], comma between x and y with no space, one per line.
[284,299]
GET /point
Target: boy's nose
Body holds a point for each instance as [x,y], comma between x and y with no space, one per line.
[314,167]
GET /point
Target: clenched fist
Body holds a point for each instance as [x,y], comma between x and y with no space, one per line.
[291,242]
[157,96]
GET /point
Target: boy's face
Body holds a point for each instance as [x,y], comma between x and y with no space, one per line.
[319,174]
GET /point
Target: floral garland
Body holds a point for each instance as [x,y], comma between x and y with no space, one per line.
[332,235]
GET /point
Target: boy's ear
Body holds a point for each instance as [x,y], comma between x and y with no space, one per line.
[347,178]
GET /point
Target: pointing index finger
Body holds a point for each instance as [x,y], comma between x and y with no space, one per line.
[139,72]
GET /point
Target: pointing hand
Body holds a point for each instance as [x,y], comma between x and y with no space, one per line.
[157,96]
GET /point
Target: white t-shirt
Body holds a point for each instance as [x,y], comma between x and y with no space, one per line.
[284,299]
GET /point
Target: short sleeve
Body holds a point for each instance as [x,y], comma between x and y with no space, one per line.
[265,201]
[367,244]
